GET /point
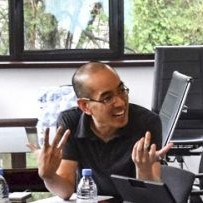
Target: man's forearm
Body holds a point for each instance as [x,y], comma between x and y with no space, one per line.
[59,186]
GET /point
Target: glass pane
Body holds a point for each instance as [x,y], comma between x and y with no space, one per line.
[66,24]
[4,35]
[6,160]
[151,23]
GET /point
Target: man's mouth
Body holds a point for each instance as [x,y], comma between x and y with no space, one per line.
[119,114]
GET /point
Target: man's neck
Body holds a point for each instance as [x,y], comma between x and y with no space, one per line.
[104,133]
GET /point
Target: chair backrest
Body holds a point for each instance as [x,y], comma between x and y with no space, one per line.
[189,61]
[201,171]
[179,182]
[173,104]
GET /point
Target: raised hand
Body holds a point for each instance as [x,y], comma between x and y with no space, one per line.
[49,156]
[146,157]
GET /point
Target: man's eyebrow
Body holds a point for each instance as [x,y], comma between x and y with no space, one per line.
[107,92]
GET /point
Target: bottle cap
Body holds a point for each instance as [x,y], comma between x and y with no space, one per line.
[86,172]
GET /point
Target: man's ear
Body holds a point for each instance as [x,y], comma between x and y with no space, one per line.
[84,106]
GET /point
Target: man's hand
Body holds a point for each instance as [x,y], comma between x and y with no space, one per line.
[146,157]
[49,156]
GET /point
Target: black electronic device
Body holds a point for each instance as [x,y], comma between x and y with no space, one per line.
[139,191]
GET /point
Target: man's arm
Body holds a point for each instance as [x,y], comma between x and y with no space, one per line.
[63,182]
[58,174]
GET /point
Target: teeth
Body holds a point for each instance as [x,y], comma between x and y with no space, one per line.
[119,113]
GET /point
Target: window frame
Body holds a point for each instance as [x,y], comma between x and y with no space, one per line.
[116,27]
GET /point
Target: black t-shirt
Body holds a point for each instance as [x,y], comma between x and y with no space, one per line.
[113,157]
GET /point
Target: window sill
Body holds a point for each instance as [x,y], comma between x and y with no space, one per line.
[73,64]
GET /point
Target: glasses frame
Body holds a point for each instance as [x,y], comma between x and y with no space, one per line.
[124,92]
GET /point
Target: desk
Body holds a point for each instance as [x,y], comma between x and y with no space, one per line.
[55,199]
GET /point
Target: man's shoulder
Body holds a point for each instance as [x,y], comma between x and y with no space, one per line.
[73,110]
[72,114]
[138,110]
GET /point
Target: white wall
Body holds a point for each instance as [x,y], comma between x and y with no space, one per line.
[19,88]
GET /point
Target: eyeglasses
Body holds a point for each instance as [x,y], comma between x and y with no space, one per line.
[122,91]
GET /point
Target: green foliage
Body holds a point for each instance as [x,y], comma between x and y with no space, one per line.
[40,28]
[4,36]
[165,22]
[153,23]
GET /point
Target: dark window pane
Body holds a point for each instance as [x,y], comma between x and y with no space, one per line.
[66,24]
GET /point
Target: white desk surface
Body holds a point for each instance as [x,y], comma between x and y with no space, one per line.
[56,199]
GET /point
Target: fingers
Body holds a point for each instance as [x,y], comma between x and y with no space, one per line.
[46,137]
[141,148]
[64,139]
[163,151]
[152,152]
[60,140]
[147,141]
[144,143]
[57,137]
[138,150]
[32,147]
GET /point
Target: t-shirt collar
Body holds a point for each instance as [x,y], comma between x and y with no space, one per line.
[84,131]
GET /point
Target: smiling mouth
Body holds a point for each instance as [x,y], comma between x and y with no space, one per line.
[119,114]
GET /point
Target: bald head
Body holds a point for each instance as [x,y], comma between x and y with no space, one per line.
[83,74]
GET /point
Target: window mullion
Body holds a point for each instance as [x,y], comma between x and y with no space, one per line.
[16,29]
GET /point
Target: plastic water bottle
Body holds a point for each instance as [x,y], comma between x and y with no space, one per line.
[4,190]
[87,189]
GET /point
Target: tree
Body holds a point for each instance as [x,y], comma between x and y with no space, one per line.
[165,22]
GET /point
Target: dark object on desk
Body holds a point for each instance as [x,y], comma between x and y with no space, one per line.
[179,182]
[188,60]
[133,190]
[197,192]
[112,200]
[24,180]
[175,188]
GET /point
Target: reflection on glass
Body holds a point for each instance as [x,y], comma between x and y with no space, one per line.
[66,24]
[4,36]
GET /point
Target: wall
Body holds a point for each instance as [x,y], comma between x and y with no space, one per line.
[20,88]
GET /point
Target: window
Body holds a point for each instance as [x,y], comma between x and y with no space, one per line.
[96,29]
[150,23]
[66,25]
[4,22]
[64,29]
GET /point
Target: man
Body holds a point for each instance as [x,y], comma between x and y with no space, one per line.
[104,133]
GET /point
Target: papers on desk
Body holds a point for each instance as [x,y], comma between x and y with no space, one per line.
[56,199]
[19,196]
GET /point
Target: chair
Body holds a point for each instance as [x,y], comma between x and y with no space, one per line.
[188,135]
[179,182]
[173,105]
